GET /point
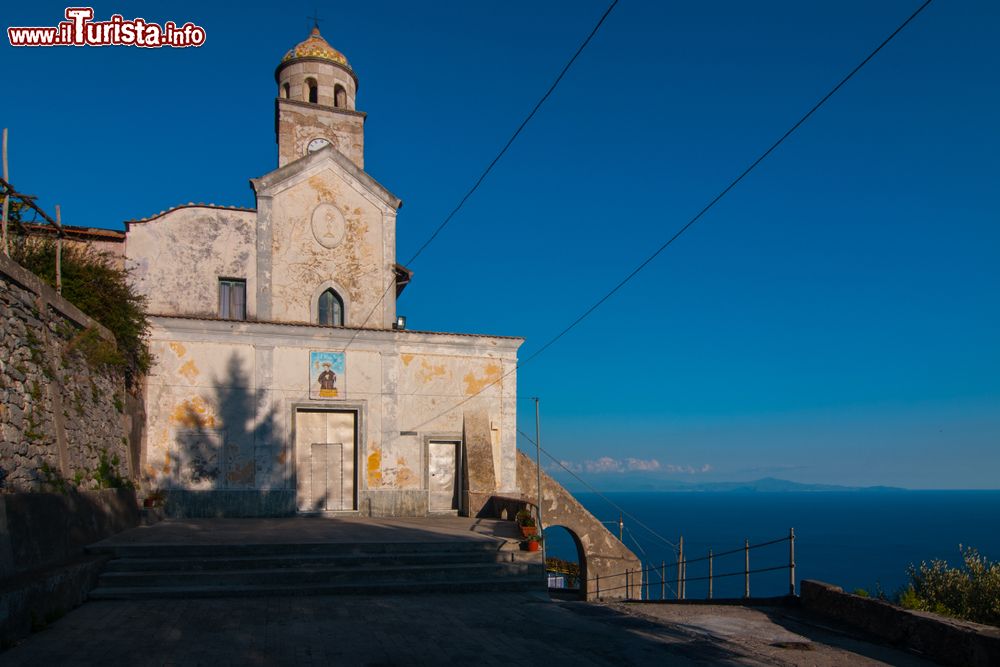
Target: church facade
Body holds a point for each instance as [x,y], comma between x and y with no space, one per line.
[283,381]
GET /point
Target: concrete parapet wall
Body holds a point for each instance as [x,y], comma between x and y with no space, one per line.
[945,640]
[29,604]
[44,572]
[38,530]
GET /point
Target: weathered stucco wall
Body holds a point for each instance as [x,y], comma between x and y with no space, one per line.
[177,258]
[222,400]
[328,230]
[58,415]
[299,123]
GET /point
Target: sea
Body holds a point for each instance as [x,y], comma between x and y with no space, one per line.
[856,540]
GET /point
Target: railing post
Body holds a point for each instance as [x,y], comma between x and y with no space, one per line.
[791,561]
[597,581]
[746,567]
[680,557]
[663,580]
[684,578]
[628,590]
[709,574]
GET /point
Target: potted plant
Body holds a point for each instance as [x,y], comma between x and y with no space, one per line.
[534,542]
[528,527]
[155,498]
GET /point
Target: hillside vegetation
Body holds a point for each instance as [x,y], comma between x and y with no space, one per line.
[94,283]
[970,592]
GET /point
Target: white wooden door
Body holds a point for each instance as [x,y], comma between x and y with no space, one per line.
[325,459]
[443,466]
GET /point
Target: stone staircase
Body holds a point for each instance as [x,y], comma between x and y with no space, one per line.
[140,571]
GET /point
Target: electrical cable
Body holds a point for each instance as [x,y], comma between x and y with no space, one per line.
[693,220]
[690,223]
[514,136]
[493,162]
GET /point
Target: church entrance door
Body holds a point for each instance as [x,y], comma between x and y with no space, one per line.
[326,448]
[443,469]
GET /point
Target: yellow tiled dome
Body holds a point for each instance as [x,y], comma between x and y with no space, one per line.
[315,46]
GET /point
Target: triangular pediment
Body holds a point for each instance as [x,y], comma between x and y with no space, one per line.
[330,158]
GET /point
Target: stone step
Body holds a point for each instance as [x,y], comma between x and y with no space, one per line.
[196,568]
[202,550]
[493,584]
[317,575]
[267,562]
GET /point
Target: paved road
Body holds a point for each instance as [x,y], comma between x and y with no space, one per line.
[472,629]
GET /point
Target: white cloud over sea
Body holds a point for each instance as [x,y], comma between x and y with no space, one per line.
[610,465]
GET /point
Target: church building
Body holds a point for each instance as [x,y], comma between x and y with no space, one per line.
[284,382]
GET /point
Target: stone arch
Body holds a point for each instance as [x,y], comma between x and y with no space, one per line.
[311,89]
[285,91]
[581,553]
[339,96]
[606,557]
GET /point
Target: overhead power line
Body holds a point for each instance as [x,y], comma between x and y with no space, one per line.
[514,136]
[715,200]
[493,162]
[690,222]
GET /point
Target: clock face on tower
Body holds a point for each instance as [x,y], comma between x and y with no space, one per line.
[317,144]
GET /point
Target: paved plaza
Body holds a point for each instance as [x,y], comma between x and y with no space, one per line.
[419,629]
[455,629]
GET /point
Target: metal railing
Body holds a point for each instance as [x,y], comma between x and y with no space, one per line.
[642,580]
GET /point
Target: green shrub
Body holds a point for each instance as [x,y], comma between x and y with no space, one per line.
[96,285]
[107,475]
[971,592]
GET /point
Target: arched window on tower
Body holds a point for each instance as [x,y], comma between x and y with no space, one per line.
[339,96]
[312,91]
[331,309]
[286,90]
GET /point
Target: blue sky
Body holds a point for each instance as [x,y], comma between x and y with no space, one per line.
[834,319]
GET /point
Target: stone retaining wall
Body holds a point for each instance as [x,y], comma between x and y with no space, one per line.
[945,640]
[58,415]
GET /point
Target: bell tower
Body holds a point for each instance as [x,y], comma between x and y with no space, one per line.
[316,103]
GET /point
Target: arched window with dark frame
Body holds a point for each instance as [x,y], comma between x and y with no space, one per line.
[331,309]
[312,91]
[339,96]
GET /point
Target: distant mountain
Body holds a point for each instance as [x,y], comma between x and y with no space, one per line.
[646,482]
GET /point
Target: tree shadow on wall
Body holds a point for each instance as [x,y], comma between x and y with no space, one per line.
[228,442]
